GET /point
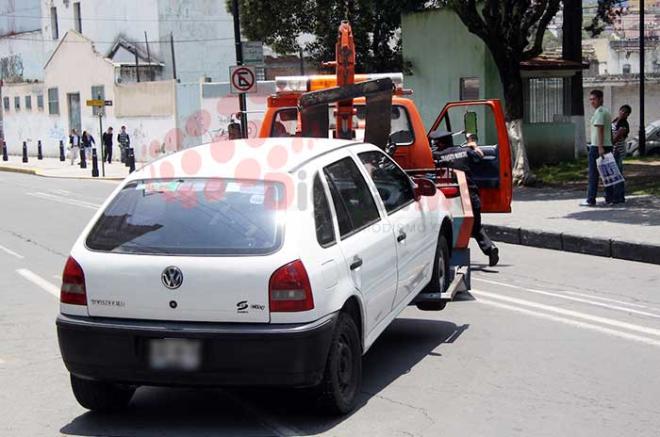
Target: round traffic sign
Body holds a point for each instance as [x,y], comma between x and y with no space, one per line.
[243,79]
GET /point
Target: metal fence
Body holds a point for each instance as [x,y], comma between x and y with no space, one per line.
[543,99]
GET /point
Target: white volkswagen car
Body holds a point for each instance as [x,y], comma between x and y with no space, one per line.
[267,262]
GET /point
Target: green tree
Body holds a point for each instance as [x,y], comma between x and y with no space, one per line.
[376,27]
[513,31]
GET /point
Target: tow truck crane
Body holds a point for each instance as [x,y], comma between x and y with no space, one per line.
[355,106]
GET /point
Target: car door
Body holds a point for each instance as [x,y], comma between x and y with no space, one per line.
[493,173]
[368,246]
[411,224]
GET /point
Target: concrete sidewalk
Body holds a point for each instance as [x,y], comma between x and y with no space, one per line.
[551,218]
[53,167]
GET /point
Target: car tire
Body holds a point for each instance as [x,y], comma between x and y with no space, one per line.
[440,278]
[342,379]
[100,395]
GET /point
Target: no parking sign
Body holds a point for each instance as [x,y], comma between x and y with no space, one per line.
[243,79]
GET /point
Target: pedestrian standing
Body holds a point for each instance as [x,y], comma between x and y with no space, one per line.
[124,143]
[74,145]
[107,144]
[87,143]
[620,131]
[601,143]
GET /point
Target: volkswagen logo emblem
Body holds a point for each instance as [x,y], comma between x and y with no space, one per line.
[172,277]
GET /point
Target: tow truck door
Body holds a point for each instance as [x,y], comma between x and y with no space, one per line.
[493,173]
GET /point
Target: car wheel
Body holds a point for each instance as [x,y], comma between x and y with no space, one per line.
[343,370]
[100,395]
[440,279]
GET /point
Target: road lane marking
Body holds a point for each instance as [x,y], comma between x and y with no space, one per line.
[59,191]
[572,322]
[11,252]
[565,312]
[66,200]
[40,282]
[558,294]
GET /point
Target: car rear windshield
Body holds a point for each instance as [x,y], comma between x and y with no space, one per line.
[192,217]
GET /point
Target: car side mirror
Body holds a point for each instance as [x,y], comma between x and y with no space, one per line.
[424,187]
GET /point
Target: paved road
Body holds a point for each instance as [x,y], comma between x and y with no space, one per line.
[548,343]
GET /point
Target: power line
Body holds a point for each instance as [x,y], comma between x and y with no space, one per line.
[194,20]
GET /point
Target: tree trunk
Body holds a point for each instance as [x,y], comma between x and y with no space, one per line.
[512,84]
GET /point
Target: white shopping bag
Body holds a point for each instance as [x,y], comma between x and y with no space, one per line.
[608,170]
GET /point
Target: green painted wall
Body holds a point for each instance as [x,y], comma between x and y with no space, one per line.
[442,51]
[549,143]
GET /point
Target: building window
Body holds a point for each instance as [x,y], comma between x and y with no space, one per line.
[469,88]
[626,68]
[53,22]
[17,103]
[543,99]
[77,21]
[98,92]
[53,102]
[40,101]
[5,103]
[28,103]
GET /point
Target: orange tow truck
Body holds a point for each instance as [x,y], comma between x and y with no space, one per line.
[348,109]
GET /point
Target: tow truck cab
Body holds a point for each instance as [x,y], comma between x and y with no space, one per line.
[413,152]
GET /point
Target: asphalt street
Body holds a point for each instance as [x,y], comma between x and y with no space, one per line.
[547,343]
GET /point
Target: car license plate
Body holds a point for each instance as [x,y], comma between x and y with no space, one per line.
[175,354]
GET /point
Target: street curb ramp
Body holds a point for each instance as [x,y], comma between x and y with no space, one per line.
[646,253]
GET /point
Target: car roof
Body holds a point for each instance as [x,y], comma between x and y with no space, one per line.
[242,159]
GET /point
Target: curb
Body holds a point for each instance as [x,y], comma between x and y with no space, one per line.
[36,172]
[646,253]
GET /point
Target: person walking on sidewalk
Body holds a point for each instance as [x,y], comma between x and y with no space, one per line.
[601,143]
[620,131]
[74,145]
[124,143]
[107,144]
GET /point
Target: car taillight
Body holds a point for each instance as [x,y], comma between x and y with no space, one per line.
[73,284]
[289,289]
[450,192]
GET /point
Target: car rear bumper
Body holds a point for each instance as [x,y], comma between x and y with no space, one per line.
[232,354]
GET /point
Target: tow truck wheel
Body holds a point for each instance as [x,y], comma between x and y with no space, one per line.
[440,279]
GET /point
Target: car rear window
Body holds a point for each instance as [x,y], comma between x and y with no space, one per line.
[192,217]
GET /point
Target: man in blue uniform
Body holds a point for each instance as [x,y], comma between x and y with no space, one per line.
[461,158]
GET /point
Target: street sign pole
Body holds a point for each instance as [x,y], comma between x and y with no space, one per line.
[102,145]
[242,101]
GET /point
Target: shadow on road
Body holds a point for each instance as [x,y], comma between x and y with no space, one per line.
[190,412]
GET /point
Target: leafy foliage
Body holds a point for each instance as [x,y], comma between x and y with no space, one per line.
[376,27]
[606,12]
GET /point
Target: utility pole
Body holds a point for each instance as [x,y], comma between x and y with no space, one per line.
[642,130]
[302,62]
[146,42]
[173,59]
[137,63]
[572,51]
[242,101]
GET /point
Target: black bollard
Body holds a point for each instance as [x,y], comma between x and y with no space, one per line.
[95,164]
[62,151]
[4,151]
[40,154]
[83,161]
[25,157]
[131,160]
